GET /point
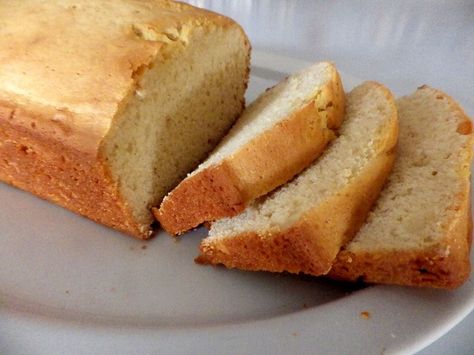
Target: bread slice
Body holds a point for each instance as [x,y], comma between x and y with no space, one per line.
[301,226]
[106,105]
[419,233]
[278,135]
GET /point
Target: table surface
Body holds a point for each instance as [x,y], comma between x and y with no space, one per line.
[294,28]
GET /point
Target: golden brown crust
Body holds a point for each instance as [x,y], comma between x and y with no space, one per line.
[311,245]
[224,189]
[220,196]
[50,63]
[444,265]
[58,102]
[60,174]
[300,139]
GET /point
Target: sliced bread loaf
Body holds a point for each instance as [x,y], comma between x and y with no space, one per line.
[419,233]
[106,105]
[301,226]
[277,136]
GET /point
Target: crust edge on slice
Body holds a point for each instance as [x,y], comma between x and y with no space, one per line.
[446,265]
[311,244]
[224,189]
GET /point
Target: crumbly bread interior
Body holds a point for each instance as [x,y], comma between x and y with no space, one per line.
[181,108]
[419,202]
[366,112]
[271,107]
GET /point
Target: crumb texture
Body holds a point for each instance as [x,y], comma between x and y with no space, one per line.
[179,111]
[271,107]
[427,187]
[357,144]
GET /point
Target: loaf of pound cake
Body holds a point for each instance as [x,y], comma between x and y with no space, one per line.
[106,105]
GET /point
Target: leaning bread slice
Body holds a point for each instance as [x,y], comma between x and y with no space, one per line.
[278,135]
[419,233]
[301,226]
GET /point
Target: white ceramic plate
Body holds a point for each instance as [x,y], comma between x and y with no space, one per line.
[70,286]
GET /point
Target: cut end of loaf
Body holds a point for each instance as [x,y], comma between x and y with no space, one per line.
[294,119]
[179,111]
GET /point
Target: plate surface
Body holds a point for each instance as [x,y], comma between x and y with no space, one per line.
[68,285]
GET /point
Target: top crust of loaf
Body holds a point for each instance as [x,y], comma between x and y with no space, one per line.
[225,183]
[89,55]
[435,254]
